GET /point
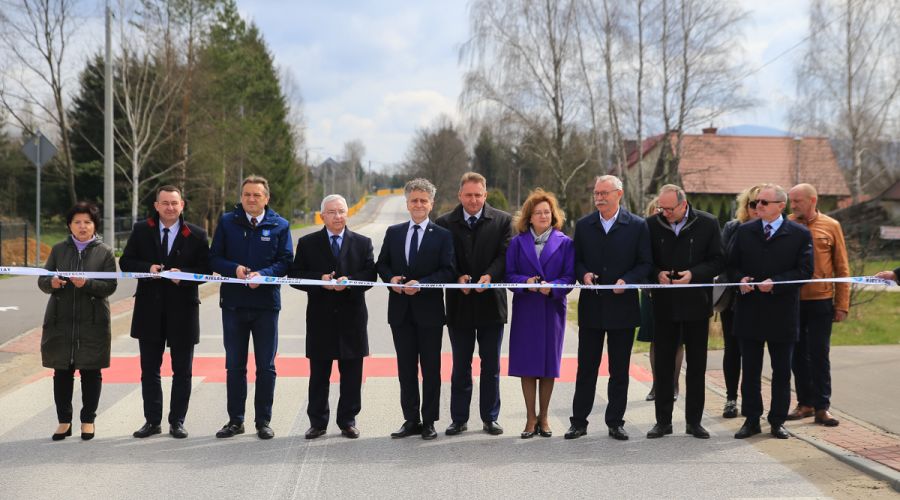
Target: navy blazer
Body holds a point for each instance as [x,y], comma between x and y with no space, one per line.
[434,264]
[624,253]
[786,256]
[336,322]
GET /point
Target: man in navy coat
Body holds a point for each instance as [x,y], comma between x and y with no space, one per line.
[612,247]
[336,316]
[417,252]
[252,240]
[765,252]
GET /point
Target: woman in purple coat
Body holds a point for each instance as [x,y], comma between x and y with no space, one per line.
[539,254]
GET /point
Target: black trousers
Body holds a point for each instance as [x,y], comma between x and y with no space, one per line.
[812,365]
[151,387]
[667,337]
[489,338]
[419,346]
[751,385]
[590,351]
[350,401]
[64,386]
[731,359]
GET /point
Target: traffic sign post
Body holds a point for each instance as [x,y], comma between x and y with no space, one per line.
[39,150]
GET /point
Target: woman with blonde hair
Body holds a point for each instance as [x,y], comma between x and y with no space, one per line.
[731,360]
[540,254]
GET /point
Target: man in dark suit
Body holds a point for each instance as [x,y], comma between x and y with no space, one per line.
[481,234]
[336,315]
[766,251]
[417,252]
[612,247]
[166,311]
[687,248]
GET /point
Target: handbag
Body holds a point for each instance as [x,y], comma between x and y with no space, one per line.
[722,296]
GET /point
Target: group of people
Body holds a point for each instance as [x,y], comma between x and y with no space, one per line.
[473,243]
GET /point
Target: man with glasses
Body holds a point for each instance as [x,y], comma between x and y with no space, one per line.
[820,305]
[336,315]
[687,248]
[612,247]
[765,252]
[166,311]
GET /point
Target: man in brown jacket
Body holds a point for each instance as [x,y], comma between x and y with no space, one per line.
[820,305]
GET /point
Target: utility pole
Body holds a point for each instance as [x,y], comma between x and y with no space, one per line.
[109,192]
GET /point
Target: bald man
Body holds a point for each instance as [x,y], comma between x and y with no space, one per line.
[821,304]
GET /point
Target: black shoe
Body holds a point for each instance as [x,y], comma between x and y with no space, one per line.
[780,432]
[178,431]
[697,431]
[730,410]
[575,432]
[526,434]
[263,431]
[314,432]
[428,432]
[455,428]
[350,432]
[147,430]
[59,436]
[750,428]
[542,432]
[407,429]
[230,429]
[618,433]
[651,396]
[492,428]
[87,436]
[658,431]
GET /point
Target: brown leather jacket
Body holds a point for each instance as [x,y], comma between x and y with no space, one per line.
[830,261]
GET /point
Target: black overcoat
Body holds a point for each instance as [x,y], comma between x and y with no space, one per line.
[786,256]
[336,322]
[478,251]
[163,309]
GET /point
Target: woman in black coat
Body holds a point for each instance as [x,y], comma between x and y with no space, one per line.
[76,332]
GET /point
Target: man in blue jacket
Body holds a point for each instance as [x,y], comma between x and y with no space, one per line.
[252,240]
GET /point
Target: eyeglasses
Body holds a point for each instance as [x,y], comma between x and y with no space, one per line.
[667,209]
[332,213]
[604,194]
[765,203]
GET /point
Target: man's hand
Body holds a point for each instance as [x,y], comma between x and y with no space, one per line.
[78,282]
[766,286]
[328,277]
[839,315]
[887,275]
[175,270]
[588,279]
[397,280]
[156,268]
[250,277]
[241,272]
[485,279]
[462,280]
[408,290]
[340,288]
[57,282]
[664,278]
[619,291]
[684,279]
[746,288]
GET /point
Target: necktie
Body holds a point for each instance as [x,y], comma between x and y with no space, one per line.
[413,246]
[165,241]
[335,249]
[472,220]
[253,222]
[768,231]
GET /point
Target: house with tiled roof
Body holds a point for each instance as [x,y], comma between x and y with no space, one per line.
[715,168]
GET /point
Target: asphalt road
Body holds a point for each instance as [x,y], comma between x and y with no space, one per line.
[473,465]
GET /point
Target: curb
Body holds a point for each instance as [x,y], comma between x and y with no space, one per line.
[866,465]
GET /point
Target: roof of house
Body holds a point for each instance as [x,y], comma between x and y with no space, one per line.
[712,163]
[892,193]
